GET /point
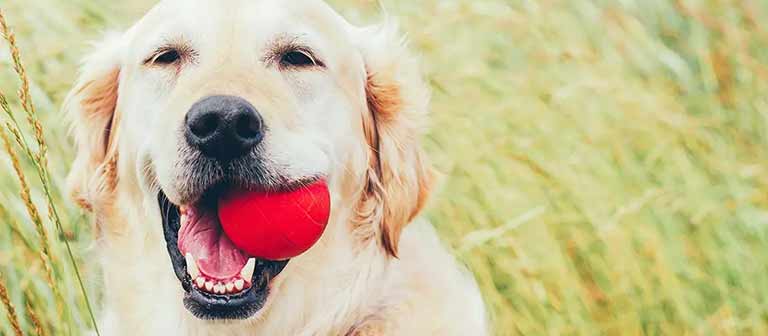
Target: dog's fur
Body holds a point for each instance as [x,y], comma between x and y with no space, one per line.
[376,271]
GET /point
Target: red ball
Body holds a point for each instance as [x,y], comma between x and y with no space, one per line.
[276,225]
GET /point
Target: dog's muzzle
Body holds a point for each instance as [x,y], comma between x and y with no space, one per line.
[222,135]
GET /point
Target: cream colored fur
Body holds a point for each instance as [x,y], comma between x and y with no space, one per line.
[376,270]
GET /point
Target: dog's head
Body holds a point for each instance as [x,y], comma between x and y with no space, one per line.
[205,96]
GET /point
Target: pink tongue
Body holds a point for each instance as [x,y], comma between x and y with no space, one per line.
[203,237]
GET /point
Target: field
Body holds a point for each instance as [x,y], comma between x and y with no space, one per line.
[605,163]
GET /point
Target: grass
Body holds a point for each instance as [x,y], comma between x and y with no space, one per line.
[606,162]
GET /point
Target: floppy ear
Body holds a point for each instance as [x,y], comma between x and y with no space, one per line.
[399,179]
[90,108]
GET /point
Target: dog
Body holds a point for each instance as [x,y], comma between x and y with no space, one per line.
[292,93]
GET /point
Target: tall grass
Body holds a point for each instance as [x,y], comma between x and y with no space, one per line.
[39,160]
[13,319]
[606,161]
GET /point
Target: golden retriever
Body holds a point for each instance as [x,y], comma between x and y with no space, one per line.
[322,99]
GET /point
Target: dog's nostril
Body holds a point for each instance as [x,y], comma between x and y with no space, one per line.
[248,126]
[205,125]
[223,127]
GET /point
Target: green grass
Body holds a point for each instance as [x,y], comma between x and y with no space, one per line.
[606,162]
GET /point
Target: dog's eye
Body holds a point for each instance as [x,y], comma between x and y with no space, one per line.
[166,57]
[297,58]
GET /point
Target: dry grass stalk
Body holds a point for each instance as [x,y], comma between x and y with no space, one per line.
[12,317]
[26,195]
[34,214]
[36,322]
[41,158]
[40,162]
[24,94]
[14,226]
[17,135]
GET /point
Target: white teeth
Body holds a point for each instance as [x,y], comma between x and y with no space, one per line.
[247,271]
[218,287]
[194,273]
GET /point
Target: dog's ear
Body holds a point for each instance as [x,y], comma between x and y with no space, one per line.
[91,109]
[399,178]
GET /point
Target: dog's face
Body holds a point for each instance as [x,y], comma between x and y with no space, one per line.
[206,96]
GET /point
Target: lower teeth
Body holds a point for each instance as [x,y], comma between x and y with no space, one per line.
[216,287]
[234,286]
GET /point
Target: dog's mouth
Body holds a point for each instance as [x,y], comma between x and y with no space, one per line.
[220,280]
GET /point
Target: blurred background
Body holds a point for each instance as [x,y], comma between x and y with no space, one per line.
[605,162]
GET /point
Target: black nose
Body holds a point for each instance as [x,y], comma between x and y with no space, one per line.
[223,127]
